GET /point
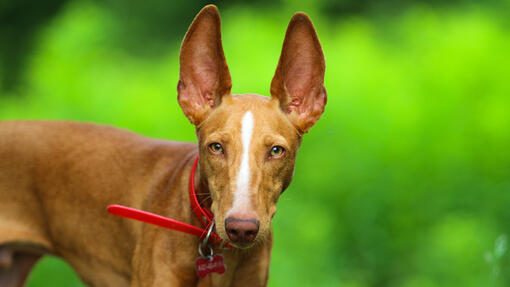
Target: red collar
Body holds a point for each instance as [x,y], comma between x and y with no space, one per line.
[203,214]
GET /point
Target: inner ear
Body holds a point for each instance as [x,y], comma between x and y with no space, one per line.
[298,83]
[204,76]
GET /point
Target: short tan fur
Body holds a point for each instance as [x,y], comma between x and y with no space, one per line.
[57,178]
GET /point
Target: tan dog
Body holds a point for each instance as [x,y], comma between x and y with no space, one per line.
[57,178]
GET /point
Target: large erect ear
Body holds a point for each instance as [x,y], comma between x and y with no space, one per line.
[299,80]
[204,77]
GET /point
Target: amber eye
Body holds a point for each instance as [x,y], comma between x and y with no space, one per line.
[276,151]
[216,148]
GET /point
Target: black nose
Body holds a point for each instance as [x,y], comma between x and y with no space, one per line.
[241,230]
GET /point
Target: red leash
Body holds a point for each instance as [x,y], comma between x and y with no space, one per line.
[204,215]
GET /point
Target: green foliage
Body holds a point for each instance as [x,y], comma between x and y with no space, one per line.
[52,271]
[403,182]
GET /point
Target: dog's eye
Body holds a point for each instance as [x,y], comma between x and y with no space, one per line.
[216,148]
[276,151]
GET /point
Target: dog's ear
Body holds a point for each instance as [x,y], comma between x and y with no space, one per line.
[204,77]
[298,83]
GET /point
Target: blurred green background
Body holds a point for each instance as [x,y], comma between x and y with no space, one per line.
[405,180]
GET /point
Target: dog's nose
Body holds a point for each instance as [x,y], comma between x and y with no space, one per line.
[242,230]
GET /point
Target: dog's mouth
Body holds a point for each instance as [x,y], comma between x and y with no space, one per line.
[241,245]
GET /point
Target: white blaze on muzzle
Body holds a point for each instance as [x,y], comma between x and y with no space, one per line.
[241,200]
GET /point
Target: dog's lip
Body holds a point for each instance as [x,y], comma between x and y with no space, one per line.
[237,244]
[241,245]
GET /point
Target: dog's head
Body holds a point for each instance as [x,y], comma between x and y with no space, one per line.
[248,143]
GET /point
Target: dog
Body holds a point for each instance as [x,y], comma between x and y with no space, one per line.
[57,178]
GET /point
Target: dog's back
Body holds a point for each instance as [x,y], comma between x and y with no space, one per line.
[76,170]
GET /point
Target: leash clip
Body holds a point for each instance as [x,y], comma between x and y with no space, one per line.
[209,263]
[205,244]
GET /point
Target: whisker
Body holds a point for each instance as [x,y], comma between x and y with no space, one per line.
[203,200]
